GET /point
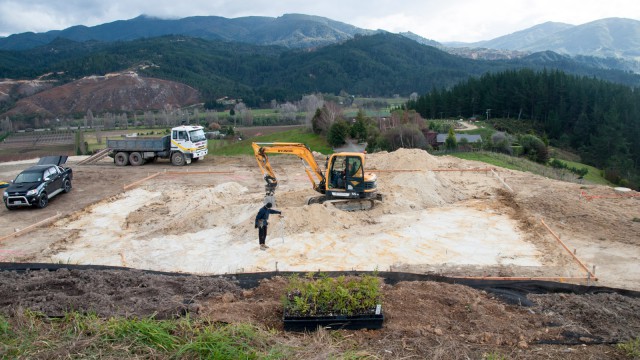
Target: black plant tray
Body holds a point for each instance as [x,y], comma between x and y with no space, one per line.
[311,323]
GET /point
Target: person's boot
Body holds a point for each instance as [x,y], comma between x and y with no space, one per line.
[263,247]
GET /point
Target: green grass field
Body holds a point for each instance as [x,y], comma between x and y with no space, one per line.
[521,164]
[229,148]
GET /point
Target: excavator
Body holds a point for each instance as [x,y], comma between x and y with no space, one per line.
[343,183]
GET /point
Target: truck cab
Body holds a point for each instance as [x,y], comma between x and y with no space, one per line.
[190,141]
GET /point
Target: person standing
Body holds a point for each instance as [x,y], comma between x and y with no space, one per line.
[262,220]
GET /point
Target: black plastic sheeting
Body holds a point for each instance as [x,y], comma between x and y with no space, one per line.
[510,291]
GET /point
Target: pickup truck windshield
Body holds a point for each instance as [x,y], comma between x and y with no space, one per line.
[197,135]
[28,177]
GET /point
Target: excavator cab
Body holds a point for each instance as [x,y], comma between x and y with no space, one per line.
[346,173]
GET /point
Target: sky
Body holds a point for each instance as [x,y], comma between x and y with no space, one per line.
[443,21]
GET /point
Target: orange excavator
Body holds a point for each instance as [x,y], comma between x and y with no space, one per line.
[343,181]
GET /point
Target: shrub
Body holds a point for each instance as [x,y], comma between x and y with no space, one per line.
[331,296]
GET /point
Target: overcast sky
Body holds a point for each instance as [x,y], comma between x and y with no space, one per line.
[440,20]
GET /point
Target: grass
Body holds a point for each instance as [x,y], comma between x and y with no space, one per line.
[243,147]
[593,176]
[29,334]
[521,164]
[631,348]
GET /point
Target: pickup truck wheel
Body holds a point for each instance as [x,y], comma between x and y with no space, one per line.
[67,185]
[136,159]
[121,159]
[43,201]
[178,159]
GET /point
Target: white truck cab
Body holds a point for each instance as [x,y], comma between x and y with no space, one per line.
[189,140]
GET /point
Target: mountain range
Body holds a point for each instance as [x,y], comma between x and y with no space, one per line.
[264,58]
[611,37]
[289,30]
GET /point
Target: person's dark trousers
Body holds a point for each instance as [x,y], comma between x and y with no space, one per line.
[262,234]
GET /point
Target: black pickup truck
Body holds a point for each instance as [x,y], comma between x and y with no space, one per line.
[39,183]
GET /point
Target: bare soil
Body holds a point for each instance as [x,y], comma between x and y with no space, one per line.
[173,222]
[423,319]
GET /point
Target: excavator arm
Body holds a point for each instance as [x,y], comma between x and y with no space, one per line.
[314,172]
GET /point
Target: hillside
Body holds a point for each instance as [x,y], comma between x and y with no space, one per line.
[290,30]
[521,39]
[114,92]
[617,38]
[383,64]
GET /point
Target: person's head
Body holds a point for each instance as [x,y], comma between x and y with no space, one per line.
[268,205]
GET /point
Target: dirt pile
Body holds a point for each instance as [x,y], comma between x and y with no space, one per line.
[107,292]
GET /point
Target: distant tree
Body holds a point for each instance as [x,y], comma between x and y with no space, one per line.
[534,149]
[323,118]
[309,104]
[316,122]
[406,136]
[288,111]
[338,133]
[359,128]
[99,136]
[6,125]
[464,145]
[90,118]
[451,143]
[501,142]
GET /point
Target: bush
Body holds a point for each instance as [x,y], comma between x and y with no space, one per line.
[338,133]
[534,148]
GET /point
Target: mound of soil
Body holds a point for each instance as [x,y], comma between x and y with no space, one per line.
[423,319]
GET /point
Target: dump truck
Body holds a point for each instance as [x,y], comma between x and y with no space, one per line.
[185,144]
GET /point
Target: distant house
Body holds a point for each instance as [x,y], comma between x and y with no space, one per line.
[431,137]
[471,139]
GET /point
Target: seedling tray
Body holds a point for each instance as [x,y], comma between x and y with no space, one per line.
[355,322]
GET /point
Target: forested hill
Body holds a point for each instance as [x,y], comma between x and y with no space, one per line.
[378,65]
[600,120]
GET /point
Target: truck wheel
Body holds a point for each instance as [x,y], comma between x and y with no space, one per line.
[136,159]
[178,159]
[121,159]
[43,201]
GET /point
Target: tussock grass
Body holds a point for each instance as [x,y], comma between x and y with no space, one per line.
[30,335]
[631,348]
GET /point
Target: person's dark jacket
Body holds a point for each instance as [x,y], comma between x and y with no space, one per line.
[263,214]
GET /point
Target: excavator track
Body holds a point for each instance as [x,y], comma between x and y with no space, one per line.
[347,204]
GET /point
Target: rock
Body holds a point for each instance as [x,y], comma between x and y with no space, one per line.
[438,331]
[522,344]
